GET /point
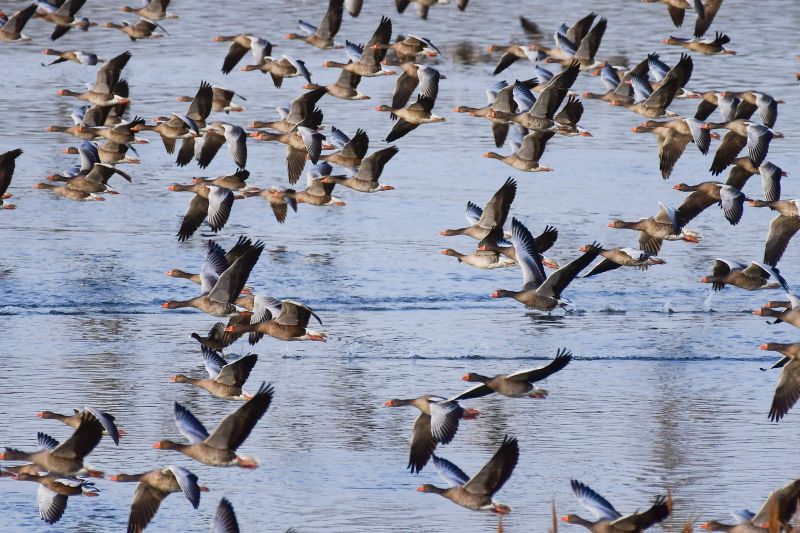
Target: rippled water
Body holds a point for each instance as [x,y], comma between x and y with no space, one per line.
[665,392]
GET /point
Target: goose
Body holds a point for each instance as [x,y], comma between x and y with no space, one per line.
[233,182]
[217,339]
[706,11]
[540,116]
[69,193]
[285,67]
[76,56]
[476,493]
[500,97]
[493,214]
[62,17]
[414,76]
[369,172]
[11,29]
[517,384]
[366,60]
[727,272]
[436,424]
[54,492]
[8,162]
[673,136]
[219,133]
[67,458]
[730,199]
[664,226]
[176,127]
[752,101]
[495,242]
[225,380]
[787,392]
[210,202]
[743,524]
[219,447]
[526,152]
[283,320]
[791,308]
[345,87]
[781,229]
[651,103]
[511,54]
[538,291]
[219,293]
[221,101]
[74,421]
[322,36]
[727,105]
[110,153]
[407,48]
[703,46]
[741,133]
[779,507]
[104,91]
[351,150]
[567,39]
[239,46]
[153,10]
[279,203]
[480,259]
[770,174]
[142,29]
[122,133]
[151,489]
[608,519]
[300,111]
[304,143]
[317,191]
[618,88]
[411,117]
[614,258]
[584,53]
[216,259]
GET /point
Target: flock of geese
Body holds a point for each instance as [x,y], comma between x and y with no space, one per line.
[525,115]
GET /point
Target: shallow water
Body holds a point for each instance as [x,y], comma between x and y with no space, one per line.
[665,391]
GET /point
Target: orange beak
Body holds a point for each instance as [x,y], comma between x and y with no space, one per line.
[763,347]
[465,377]
[157,445]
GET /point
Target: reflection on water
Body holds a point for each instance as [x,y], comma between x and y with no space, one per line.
[665,391]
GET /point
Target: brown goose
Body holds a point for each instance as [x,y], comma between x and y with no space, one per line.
[779,508]
[739,527]
[614,258]
[219,447]
[539,291]
[703,46]
[476,493]
[495,242]
[584,52]
[518,384]
[225,380]
[651,103]
[153,487]
[366,60]
[74,420]
[153,10]
[54,492]
[219,294]
[741,133]
[76,56]
[500,97]
[217,339]
[704,195]
[103,91]
[781,229]
[787,391]
[406,49]
[65,459]
[525,155]
[752,101]
[11,30]
[727,272]
[142,29]
[567,40]
[706,11]
[511,54]
[239,46]
[494,213]
[172,129]
[209,202]
[791,308]
[351,150]
[122,133]
[322,36]
[221,101]
[664,226]
[541,115]
[233,182]
[283,320]
[480,259]
[7,166]
[673,136]
[608,519]
[413,115]
[63,18]
[301,111]
[65,191]
[216,259]
[110,153]
[285,67]
[304,143]
[437,423]
[370,170]
[345,87]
